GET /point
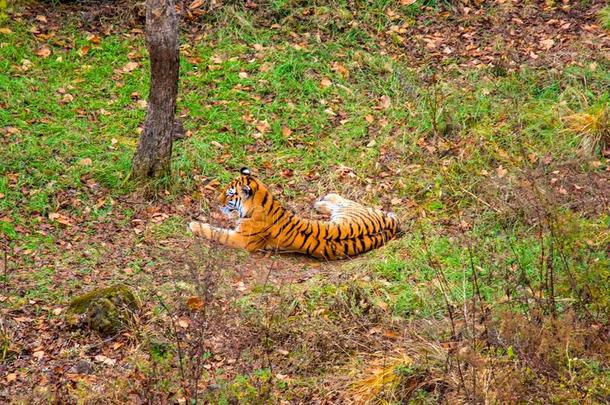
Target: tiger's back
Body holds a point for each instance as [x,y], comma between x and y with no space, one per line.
[265,224]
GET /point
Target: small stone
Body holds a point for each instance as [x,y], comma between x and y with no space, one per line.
[82,367]
[105,310]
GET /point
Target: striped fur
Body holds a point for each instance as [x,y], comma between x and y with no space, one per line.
[264,224]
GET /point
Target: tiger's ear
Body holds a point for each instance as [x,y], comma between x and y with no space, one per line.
[247,191]
[245,171]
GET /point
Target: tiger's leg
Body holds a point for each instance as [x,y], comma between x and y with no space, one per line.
[332,203]
[339,208]
[226,237]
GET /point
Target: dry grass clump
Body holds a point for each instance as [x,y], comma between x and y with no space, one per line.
[593,128]
[384,374]
[397,375]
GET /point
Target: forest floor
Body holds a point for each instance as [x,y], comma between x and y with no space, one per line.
[485,126]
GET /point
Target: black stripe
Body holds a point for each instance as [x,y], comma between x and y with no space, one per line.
[265,199]
[332,248]
[310,250]
[305,239]
[281,228]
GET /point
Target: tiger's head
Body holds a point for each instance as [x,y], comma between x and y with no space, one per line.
[243,194]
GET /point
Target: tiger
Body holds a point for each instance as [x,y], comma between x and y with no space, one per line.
[264,224]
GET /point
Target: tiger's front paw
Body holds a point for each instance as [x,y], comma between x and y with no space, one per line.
[199,228]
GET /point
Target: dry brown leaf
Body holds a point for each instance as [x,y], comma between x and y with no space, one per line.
[339,68]
[43,52]
[83,50]
[194,303]
[106,360]
[85,162]
[94,39]
[286,131]
[263,126]
[196,4]
[384,102]
[547,43]
[5,30]
[501,171]
[130,66]
[325,82]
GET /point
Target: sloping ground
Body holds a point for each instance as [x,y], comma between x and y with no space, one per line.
[497,292]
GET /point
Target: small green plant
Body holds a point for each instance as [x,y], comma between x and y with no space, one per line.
[604,17]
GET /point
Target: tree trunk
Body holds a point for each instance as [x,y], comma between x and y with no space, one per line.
[154,151]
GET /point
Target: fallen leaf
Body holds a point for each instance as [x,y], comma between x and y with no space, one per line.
[547,43]
[183,323]
[384,102]
[83,50]
[196,4]
[339,68]
[41,18]
[287,173]
[85,162]
[43,52]
[243,75]
[194,303]
[325,82]
[94,39]
[11,377]
[67,98]
[501,171]
[369,118]
[263,126]
[129,67]
[5,30]
[286,131]
[26,64]
[106,360]
[39,354]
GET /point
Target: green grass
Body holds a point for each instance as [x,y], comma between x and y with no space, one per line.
[438,146]
[604,17]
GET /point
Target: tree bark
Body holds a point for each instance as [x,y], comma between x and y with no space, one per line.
[154,151]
